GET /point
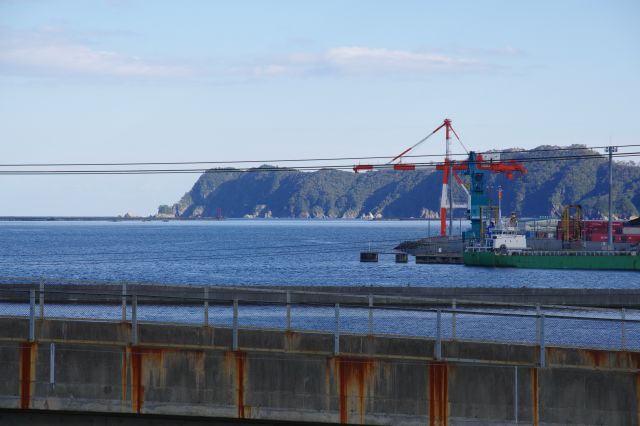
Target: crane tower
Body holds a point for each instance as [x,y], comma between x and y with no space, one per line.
[477,166]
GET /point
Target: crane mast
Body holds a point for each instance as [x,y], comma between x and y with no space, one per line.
[477,166]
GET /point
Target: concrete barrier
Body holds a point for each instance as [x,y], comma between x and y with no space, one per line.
[406,296]
[191,370]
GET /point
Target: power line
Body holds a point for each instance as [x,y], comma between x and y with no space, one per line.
[301,160]
[346,167]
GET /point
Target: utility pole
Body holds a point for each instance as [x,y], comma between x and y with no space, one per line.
[499,224]
[450,203]
[610,150]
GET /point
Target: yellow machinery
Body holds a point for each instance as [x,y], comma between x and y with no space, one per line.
[572,225]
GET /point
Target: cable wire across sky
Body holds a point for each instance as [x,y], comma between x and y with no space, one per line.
[53,168]
[302,160]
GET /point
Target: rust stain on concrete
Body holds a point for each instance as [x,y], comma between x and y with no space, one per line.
[595,358]
[355,378]
[291,340]
[438,394]
[534,397]
[27,370]
[143,360]
[610,359]
[137,391]
[631,359]
[235,364]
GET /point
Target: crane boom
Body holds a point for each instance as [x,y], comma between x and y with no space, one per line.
[476,166]
[417,143]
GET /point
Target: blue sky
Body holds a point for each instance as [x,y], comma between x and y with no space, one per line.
[127,80]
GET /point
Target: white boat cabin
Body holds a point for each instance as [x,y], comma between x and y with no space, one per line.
[507,238]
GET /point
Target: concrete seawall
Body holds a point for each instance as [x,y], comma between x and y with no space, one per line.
[406,296]
[192,370]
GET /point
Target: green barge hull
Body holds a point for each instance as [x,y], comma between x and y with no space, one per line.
[554,260]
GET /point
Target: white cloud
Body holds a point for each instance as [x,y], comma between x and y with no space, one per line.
[367,60]
[52,52]
[348,56]
[272,70]
[77,59]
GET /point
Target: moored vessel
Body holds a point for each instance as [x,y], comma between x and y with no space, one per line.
[507,248]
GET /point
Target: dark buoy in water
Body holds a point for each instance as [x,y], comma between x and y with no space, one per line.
[368,256]
[402,258]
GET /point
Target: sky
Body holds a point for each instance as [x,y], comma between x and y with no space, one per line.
[140,81]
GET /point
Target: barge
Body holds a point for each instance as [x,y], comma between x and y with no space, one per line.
[507,248]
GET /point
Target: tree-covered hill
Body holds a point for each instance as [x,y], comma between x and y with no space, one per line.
[549,184]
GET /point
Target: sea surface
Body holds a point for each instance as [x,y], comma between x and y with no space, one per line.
[255,252]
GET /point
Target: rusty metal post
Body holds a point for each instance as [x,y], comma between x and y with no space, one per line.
[515,395]
[235,324]
[453,319]
[438,347]
[41,299]
[371,314]
[288,310]
[542,360]
[52,364]
[124,301]
[134,319]
[336,335]
[206,307]
[623,336]
[32,315]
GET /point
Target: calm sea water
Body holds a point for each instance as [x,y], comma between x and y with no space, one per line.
[254,252]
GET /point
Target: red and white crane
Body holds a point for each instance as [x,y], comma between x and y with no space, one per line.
[476,165]
[449,168]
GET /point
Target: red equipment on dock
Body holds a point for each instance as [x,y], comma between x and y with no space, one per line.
[597,230]
[449,168]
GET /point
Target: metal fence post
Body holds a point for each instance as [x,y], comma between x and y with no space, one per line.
[623,337]
[371,314]
[124,301]
[206,307]
[542,360]
[336,335]
[134,319]
[453,319]
[41,299]
[235,324]
[52,364]
[32,315]
[438,347]
[288,310]
[538,322]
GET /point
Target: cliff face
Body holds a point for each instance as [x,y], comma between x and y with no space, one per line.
[548,185]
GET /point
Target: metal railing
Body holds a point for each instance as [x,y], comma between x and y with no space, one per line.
[614,329]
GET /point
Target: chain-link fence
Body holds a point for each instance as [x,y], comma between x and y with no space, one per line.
[359,315]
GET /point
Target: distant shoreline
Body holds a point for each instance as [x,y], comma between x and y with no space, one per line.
[177,219]
[98,219]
